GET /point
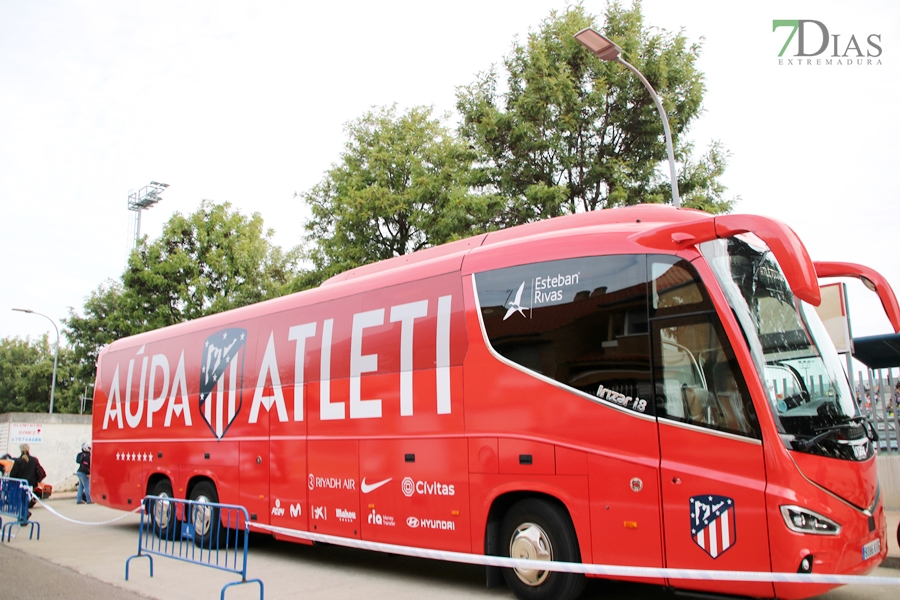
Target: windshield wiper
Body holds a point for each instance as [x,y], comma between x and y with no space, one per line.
[829,432]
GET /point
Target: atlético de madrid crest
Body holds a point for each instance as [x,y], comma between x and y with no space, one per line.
[713,525]
[221,378]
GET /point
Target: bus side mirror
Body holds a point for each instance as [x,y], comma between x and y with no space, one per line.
[871,279]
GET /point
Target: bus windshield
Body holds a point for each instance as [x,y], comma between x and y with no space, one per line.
[811,401]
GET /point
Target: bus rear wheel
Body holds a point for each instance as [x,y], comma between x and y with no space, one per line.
[204,518]
[162,514]
[536,529]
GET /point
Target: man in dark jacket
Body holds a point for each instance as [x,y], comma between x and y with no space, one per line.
[84,474]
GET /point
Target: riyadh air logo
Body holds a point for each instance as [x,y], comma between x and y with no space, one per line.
[515,306]
[221,378]
[810,43]
[713,525]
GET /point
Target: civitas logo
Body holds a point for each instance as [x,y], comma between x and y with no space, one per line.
[816,45]
[426,488]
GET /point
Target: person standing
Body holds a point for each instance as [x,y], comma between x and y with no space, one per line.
[29,468]
[84,474]
[26,466]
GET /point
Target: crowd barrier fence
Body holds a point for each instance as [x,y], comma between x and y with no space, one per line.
[15,497]
[203,533]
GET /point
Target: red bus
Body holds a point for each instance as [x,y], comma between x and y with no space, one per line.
[643,386]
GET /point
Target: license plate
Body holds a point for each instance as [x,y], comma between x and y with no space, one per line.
[871,549]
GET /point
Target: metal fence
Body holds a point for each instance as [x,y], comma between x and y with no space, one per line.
[878,396]
[15,497]
[204,533]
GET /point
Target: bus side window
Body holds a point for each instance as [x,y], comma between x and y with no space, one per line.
[698,380]
[581,322]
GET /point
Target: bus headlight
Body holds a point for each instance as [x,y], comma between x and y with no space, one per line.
[803,520]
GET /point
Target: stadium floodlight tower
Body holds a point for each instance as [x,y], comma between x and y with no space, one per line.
[143,199]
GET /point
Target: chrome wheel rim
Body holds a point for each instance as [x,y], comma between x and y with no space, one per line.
[162,511]
[202,516]
[531,542]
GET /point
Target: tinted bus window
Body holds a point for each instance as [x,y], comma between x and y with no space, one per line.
[698,380]
[581,322]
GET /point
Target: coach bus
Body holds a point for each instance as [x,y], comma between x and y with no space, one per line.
[622,387]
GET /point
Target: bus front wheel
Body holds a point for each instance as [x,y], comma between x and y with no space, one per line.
[536,529]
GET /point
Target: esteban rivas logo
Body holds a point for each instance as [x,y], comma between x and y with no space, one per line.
[808,42]
[223,362]
[515,306]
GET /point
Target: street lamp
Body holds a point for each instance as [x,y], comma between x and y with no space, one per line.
[55,356]
[604,49]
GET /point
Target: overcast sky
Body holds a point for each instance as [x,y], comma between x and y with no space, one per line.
[246,101]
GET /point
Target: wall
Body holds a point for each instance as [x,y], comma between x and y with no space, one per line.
[56,445]
[889,475]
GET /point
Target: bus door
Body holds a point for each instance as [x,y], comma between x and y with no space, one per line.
[254,475]
[287,468]
[712,471]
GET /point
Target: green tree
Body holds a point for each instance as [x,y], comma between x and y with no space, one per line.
[403,183]
[212,260]
[107,317]
[26,375]
[570,133]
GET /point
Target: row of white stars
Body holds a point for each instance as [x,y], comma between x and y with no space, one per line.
[134,456]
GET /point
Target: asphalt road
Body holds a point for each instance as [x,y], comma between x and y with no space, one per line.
[75,561]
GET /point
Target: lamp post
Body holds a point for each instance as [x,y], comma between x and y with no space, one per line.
[604,49]
[55,356]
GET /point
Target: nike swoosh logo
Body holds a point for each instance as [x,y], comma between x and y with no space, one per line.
[366,488]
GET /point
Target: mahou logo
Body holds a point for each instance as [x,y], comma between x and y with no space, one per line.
[221,378]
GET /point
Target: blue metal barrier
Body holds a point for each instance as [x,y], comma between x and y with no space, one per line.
[204,533]
[15,496]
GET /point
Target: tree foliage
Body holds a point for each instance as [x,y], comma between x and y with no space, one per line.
[107,317]
[569,132]
[26,375]
[207,262]
[401,184]
[212,260]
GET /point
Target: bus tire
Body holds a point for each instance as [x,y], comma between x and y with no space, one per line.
[205,519]
[540,530]
[163,515]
